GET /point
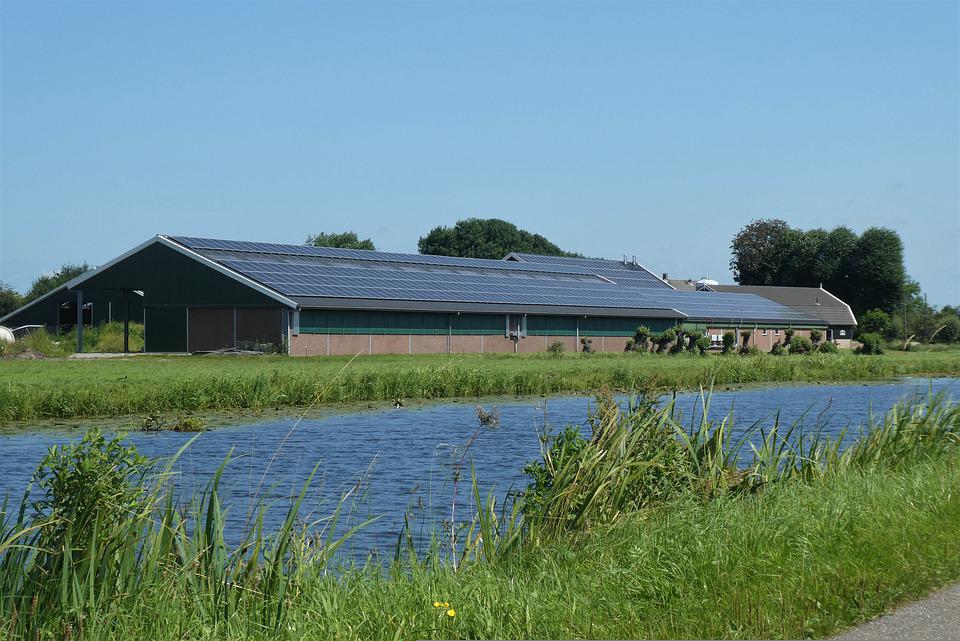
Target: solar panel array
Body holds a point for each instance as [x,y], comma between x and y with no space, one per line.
[303,271]
[279,249]
[623,273]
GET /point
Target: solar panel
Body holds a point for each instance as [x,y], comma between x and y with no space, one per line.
[626,273]
[321,272]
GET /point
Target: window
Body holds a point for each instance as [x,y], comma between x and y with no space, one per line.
[776,332]
[764,331]
[843,332]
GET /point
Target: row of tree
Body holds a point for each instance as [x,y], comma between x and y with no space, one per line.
[468,238]
[865,270]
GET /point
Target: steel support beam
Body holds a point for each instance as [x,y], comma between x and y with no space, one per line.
[79,320]
[126,321]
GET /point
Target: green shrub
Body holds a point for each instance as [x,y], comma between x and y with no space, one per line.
[870,343]
[586,345]
[641,338]
[875,321]
[778,349]
[702,344]
[800,345]
[95,481]
[665,339]
[753,350]
[556,348]
[828,348]
[787,336]
[816,336]
[729,341]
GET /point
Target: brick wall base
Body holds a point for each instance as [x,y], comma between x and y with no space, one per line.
[350,344]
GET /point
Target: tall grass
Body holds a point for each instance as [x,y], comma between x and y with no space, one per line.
[46,390]
[645,456]
[648,528]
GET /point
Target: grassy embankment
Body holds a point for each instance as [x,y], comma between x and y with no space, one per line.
[62,388]
[801,542]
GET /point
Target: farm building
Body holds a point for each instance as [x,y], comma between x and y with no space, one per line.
[201,295]
[56,311]
[815,302]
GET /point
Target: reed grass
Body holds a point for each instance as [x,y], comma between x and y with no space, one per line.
[56,389]
[800,538]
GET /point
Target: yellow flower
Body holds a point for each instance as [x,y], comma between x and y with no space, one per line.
[437,604]
[451,612]
[446,605]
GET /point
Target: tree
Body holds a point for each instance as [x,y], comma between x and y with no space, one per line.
[876,321]
[345,240]
[949,329]
[876,271]
[9,299]
[49,282]
[485,238]
[755,250]
[865,271]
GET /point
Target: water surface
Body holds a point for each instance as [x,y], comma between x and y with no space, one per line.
[399,462]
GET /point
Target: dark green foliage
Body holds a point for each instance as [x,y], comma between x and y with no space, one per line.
[875,271]
[871,343]
[788,336]
[745,341]
[828,348]
[865,271]
[778,349]
[49,282]
[641,339]
[949,331]
[485,238]
[586,345]
[680,341]
[875,321]
[729,342]
[754,248]
[816,336]
[556,348]
[9,299]
[800,345]
[345,240]
[702,344]
[665,339]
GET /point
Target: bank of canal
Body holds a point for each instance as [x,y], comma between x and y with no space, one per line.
[401,462]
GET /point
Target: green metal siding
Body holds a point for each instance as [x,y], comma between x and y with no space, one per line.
[165,329]
[477,324]
[167,277]
[335,321]
[620,326]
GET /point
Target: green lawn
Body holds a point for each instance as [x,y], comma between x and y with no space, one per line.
[66,388]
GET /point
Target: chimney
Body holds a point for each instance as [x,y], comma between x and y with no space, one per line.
[664,277]
[634,260]
[624,259]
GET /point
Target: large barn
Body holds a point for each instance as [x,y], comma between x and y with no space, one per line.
[202,295]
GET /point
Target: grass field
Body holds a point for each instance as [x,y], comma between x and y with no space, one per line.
[68,388]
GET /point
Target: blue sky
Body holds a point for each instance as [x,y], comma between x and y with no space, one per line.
[655,129]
